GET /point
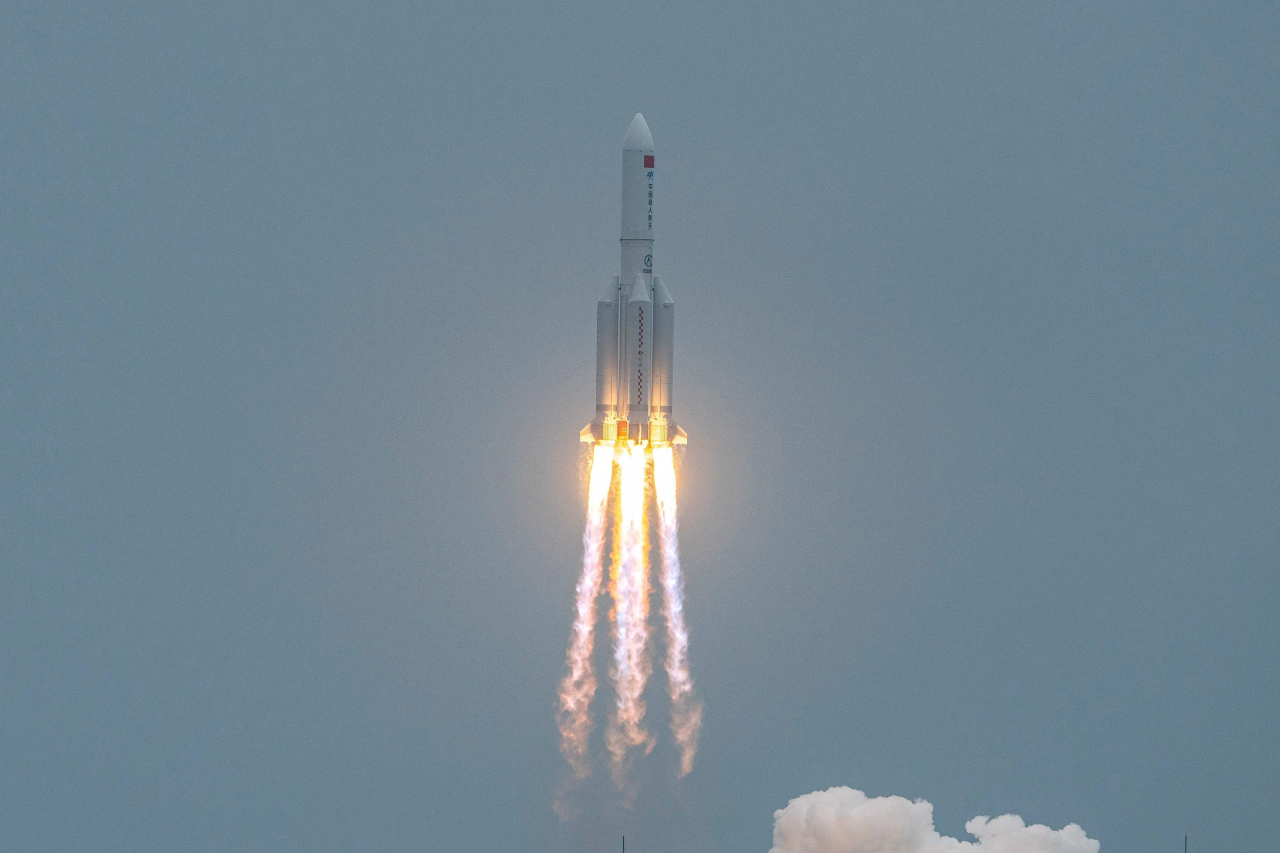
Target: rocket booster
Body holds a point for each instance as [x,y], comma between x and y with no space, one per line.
[635,320]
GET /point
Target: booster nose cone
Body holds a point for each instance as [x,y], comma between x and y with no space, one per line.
[638,136]
[639,291]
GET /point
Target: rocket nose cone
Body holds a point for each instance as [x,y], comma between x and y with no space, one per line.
[638,136]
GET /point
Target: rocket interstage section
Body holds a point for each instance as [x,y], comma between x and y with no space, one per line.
[635,320]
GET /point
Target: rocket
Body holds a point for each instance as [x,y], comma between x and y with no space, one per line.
[635,320]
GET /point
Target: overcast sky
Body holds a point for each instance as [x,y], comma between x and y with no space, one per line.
[978,352]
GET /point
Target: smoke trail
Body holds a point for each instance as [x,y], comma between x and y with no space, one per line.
[579,684]
[630,614]
[686,710]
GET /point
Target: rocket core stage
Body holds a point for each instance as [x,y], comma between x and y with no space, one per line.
[635,320]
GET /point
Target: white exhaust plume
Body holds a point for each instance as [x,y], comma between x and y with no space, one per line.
[686,710]
[630,587]
[579,684]
[842,820]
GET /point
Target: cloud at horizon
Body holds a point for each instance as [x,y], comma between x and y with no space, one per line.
[845,820]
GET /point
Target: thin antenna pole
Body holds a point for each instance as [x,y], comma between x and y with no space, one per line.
[1184,845]
[624,845]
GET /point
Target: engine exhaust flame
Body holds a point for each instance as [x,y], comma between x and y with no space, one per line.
[579,684]
[629,588]
[630,615]
[686,710]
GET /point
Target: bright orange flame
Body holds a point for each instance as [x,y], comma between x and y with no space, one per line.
[601,475]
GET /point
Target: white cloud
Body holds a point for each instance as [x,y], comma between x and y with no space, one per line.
[842,820]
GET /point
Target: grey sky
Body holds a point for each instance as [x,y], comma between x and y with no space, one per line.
[978,351]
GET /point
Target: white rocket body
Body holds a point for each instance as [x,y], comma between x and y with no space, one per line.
[635,320]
